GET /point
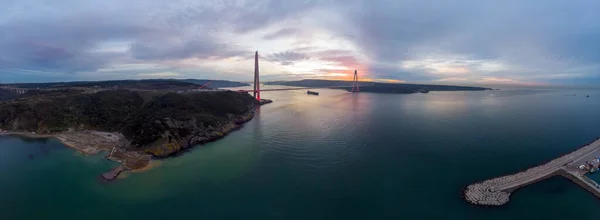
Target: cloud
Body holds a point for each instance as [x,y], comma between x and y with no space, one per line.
[285,32]
[390,81]
[159,75]
[64,43]
[287,57]
[69,48]
[343,60]
[183,49]
[415,41]
[504,81]
[524,37]
[452,79]
[252,15]
[72,37]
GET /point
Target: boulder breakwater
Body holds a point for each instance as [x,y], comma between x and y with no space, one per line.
[497,191]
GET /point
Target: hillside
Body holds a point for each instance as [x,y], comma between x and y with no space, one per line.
[157,123]
[376,87]
[216,83]
[146,84]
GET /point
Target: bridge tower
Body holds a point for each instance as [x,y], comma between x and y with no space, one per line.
[256,78]
[355,82]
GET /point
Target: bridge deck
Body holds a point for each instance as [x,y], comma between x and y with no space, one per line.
[497,191]
[300,88]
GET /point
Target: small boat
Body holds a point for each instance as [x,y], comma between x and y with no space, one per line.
[312,93]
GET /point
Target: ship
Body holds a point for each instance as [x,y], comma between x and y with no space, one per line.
[312,93]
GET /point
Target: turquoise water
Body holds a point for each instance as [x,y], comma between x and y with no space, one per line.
[333,156]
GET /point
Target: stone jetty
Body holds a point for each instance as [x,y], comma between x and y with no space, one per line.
[112,174]
[497,191]
[265,101]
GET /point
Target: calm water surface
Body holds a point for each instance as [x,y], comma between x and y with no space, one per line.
[333,156]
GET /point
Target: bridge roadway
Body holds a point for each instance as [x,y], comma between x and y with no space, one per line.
[300,88]
[496,191]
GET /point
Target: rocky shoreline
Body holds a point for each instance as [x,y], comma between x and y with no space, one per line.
[91,142]
[198,135]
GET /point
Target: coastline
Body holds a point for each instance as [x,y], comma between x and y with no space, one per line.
[85,148]
[26,134]
[90,142]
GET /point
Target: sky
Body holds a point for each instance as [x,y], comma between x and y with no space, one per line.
[504,42]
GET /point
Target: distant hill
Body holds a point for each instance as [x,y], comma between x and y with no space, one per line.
[216,83]
[376,87]
[150,84]
[146,84]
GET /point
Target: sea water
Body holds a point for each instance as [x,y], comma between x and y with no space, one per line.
[334,156]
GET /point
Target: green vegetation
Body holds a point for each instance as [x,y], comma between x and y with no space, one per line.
[216,83]
[143,117]
[192,111]
[147,84]
[55,92]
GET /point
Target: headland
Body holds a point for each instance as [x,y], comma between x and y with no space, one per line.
[133,125]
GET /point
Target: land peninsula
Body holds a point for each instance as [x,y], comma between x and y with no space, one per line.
[133,122]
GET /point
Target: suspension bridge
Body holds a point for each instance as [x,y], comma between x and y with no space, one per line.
[256,90]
